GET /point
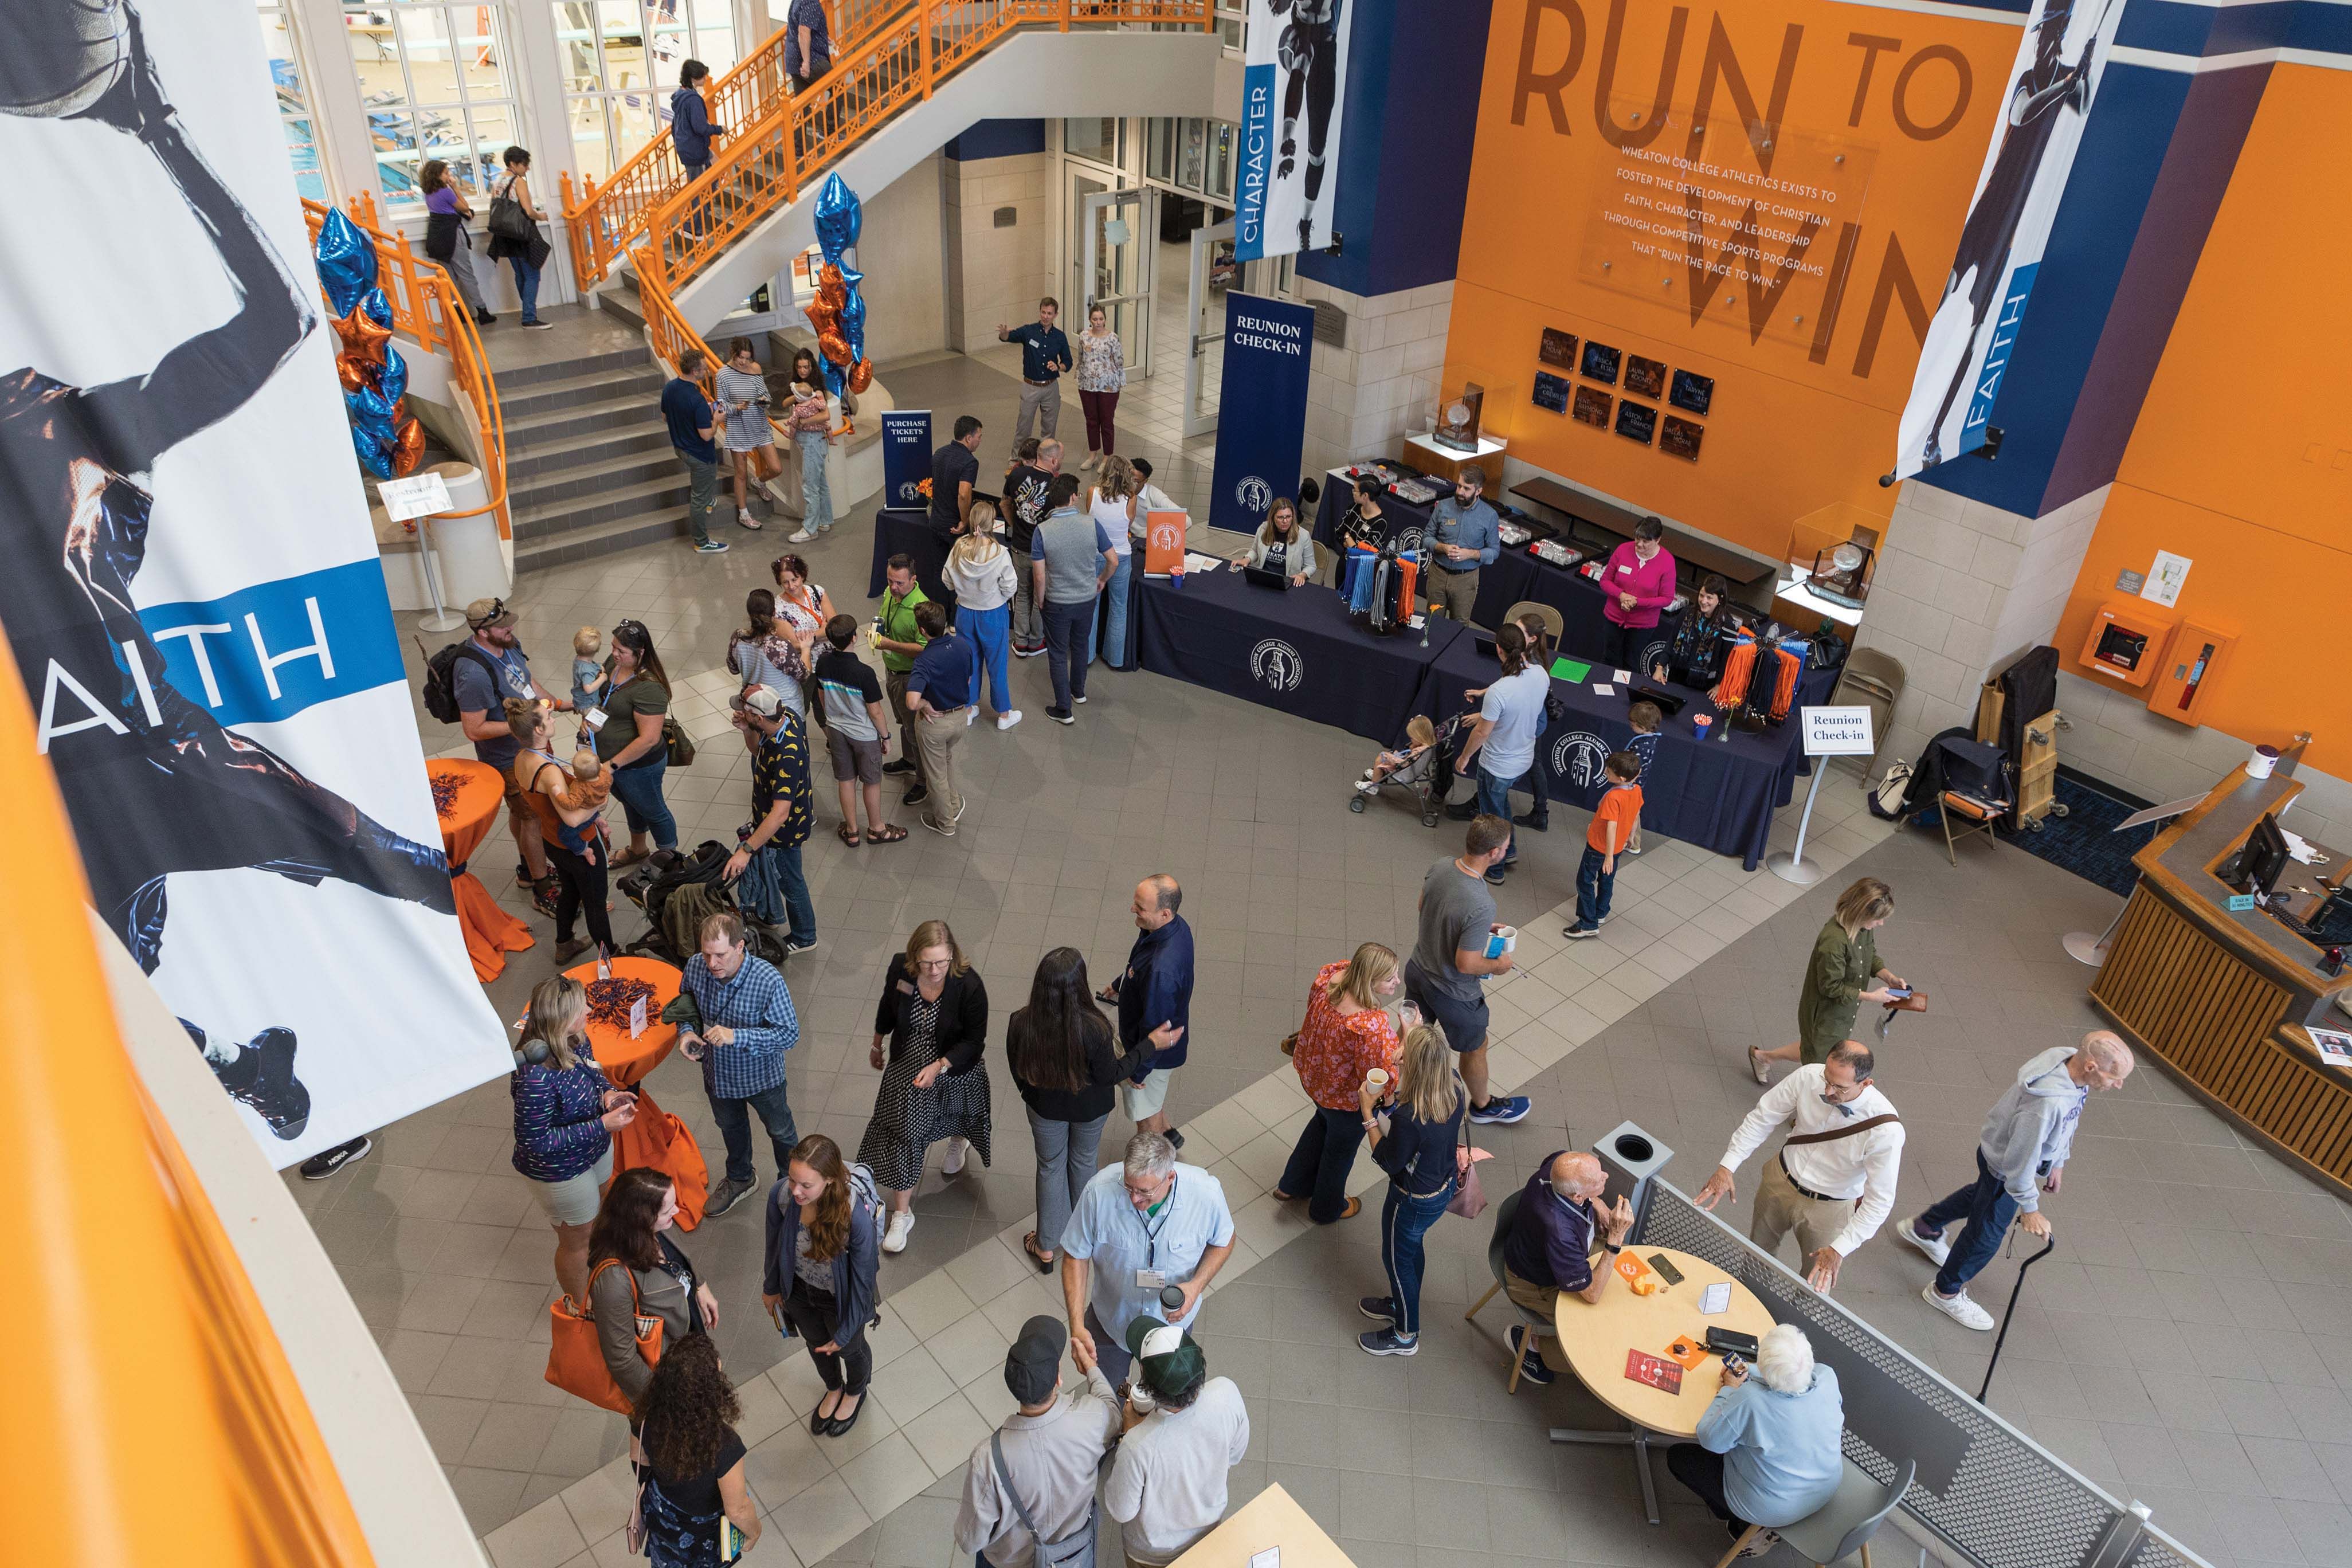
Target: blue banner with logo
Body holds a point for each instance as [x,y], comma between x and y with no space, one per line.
[1262,419]
[906,456]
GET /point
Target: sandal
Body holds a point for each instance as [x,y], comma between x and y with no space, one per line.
[847,835]
[1029,1245]
[888,833]
[630,857]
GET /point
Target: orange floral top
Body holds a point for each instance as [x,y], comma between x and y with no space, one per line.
[1334,1053]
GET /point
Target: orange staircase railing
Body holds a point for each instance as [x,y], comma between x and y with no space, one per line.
[604,220]
[428,309]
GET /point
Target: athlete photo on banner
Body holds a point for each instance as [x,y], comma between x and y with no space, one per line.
[1966,355]
[192,597]
[1293,88]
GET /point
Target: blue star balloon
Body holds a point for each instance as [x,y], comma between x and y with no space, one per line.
[840,216]
[346,260]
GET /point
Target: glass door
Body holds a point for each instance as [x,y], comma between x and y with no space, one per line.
[1118,238]
[1213,271]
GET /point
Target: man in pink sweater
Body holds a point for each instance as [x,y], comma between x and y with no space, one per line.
[1638,583]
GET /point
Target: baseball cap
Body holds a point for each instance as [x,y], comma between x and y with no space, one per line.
[483,615]
[1033,1366]
[760,700]
[1166,1358]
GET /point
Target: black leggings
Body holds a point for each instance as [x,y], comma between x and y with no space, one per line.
[582,884]
[815,1318]
[1702,1471]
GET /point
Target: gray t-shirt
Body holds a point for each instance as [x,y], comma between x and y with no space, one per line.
[475,693]
[1515,706]
[1451,905]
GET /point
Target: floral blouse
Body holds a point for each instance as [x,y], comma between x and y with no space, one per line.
[1334,1053]
[1102,363]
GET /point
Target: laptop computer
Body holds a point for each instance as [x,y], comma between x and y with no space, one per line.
[1669,704]
[1259,576]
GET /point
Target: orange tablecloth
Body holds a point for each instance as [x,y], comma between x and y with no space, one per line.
[490,931]
[656,1138]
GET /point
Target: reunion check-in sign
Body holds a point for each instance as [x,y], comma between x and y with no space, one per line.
[1838,733]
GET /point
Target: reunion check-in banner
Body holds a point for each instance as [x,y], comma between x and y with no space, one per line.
[191,588]
[1294,88]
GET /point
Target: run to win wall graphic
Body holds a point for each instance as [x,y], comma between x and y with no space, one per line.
[192,593]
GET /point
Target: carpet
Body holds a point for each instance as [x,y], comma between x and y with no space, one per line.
[2085,841]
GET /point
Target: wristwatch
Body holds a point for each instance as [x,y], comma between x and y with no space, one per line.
[1611,1247]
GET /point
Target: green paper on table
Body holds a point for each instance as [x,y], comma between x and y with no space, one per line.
[1568,669]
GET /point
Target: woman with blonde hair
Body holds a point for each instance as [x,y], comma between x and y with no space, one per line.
[1112,503]
[1838,979]
[565,1113]
[929,1032]
[1281,544]
[1349,1032]
[981,575]
[822,1277]
[1418,1143]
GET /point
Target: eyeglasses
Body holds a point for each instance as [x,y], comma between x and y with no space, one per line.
[928,963]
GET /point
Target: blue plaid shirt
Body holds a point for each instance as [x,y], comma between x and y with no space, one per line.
[756,1005]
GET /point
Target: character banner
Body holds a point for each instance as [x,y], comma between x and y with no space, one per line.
[1294,88]
[1966,353]
[193,594]
[1262,425]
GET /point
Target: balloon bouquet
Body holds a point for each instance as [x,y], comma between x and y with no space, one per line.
[387,441]
[838,313]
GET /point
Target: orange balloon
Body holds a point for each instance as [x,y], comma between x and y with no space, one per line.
[861,375]
[354,375]
[408,447]
[834,345]
[823,317]
[363,340]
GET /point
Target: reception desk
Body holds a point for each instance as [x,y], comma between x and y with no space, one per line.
[2222,997]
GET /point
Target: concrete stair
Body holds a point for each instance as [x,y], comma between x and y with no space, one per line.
[589,465]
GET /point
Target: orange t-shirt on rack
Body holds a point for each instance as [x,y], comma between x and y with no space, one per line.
[1621,806]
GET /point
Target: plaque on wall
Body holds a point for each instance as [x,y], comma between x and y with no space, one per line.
[1680,438]
[1552,392]
[1636,421]
[1600,364]
[1593,407]
[1558,348]
[1645,377]
[1694,392]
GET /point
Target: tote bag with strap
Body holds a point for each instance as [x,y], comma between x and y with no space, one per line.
[575,1357]
[1075,1550]
[507,221]
[1470,1198]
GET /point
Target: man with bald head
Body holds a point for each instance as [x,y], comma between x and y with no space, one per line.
[1154,997]
[2021,1154]
[1558,1227]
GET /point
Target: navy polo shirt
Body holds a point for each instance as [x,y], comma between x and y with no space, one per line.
[945,671]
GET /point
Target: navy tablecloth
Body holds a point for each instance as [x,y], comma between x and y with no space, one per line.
[1296,652]
[909,533]
[1717,794]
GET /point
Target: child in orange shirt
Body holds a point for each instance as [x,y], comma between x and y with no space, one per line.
[580,804]
[1614,822]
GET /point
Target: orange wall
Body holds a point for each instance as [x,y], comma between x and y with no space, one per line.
[1797,422]
[2242,459]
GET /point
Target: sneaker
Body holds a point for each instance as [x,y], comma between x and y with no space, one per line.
[1462,811]
[917,795]
[1636,850]
[1539,824]
[1379,1309]
[799,945]
[1032,651]
[903,765]
[944,829]
[1006,720]
[969,716]
[1531,1364]
[1061,716]
[1386,1342]
[724,1197]
[1937,1248]
[1579,931]
[539,326]
[1959,1309]
[1080,698]
[801,536]
[894,1239]
[1761,1545]
[1366,786]
[711,547]
[319,1167]
[1502,1109]
[485,318]
[952,1165]
[962,807]
[1176,1138]
[1495,875]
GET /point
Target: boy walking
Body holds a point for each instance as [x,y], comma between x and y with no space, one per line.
[1614,821]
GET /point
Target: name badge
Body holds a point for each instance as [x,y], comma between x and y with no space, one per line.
[1150,1279]
[1626,571]
[592,717]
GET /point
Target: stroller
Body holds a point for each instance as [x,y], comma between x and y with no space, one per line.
[1426,777]
[677,892]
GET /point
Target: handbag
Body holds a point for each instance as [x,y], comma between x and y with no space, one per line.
[679,744]
[1470,1197]
[575,1356]
[508,222]
[633,1534]
[1290,1044]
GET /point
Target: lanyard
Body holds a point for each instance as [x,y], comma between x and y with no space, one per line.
[1151,1232]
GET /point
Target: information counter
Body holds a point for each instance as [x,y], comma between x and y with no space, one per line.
[2224,997]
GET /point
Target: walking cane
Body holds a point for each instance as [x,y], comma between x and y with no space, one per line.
[2047,1248]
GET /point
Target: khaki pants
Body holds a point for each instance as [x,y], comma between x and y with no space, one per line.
[893,688]
[1040,405]
[1455,592]
[1529,1297]
[937,736]
[1782,1208]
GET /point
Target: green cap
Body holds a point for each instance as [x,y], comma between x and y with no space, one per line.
[1168,1359]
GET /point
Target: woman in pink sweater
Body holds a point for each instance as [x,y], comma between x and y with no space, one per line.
[1638,583]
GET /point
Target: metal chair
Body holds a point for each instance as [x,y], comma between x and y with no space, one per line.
[1555,625]
[1537,1327]
[1874,677]
[1843,1525]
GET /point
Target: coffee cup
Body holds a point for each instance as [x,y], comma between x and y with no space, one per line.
[1377,1080]
[1502,940]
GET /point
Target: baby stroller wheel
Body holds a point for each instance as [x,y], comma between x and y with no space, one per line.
[1428,818]
[1356,803]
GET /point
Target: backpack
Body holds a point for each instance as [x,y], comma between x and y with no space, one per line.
[441,677]
[1888,795]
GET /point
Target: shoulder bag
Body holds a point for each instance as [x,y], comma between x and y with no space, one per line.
[575,1357]
[507,221]
[1075,1550]
[1848,1131]
[1470,1197]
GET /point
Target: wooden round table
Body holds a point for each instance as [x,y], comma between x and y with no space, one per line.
[475,791]
[1595,1337]
[656,1138]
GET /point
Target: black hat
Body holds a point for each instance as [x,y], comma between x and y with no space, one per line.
[1033,1366]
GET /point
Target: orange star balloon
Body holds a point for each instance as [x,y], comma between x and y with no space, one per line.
[834,345]
[408,447]
[363,340]
[861,375]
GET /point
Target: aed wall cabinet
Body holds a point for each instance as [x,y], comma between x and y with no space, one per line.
[2126,642]
[2187,672]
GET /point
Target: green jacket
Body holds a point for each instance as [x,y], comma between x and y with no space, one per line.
[1840,970]
[898,626]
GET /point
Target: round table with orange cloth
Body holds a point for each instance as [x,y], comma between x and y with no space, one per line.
[491,932]
[656,1138]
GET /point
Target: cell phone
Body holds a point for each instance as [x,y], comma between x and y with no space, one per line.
[1732,1363]
[1666,1266]
[1900,993]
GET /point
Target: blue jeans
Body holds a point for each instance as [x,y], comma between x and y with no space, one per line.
[1494,800]
[990,632]
[816,484]
[1403,1222]
[798,908]
[1593,886]
[694,171]
[1987,1207]
[526,284]
[639,787]
[1114,649]
[734,1119]
[1069,628]
[1319,1163]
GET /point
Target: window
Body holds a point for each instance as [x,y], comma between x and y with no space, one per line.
[621,60]
[435,80]
[1233,23]
[1097,140]
[1160,150]
[293,100]
[1221,160]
